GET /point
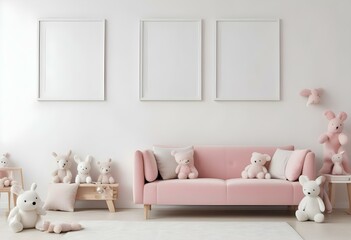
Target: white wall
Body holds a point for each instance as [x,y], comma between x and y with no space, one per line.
[315,52]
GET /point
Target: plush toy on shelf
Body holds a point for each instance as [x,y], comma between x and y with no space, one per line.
[60,227]
[311,206]
[313,95]
[186,167]
[334,140]
[83,169]
[28,210]
[63,173]
[105,172]
[338,169]
[5,179]
[257,169]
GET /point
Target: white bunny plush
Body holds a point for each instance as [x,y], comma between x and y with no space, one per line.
[83,169]
[338,168]
[28,210]
[311,206]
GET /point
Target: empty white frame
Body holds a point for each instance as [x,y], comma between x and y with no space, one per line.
[247,59]
[170,60]
[71,60]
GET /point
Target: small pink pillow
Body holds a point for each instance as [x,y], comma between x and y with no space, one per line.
[150,166]
[294,166]
[61,196]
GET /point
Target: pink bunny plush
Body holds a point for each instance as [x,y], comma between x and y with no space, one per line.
[314,95]
[333,141]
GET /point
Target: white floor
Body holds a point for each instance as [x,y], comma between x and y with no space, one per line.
[337,225]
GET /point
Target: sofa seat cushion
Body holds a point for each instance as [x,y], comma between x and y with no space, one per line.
[200,191]
[263,192]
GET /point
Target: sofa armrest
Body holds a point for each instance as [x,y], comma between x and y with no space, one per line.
[309,166]
[139,178]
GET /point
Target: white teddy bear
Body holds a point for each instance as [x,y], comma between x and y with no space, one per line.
[63,173]
[257,169]
[105,175]
[28,210]
[83,169]
[311,206]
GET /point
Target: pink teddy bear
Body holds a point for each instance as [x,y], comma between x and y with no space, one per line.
[333,141]
[257,169]
[186,167]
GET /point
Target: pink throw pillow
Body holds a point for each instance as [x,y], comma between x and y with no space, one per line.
[150,166]
[61,196]
[294,166]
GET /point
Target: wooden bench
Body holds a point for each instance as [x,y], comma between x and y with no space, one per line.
[106,192]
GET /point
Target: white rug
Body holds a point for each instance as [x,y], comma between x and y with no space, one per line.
[148,230]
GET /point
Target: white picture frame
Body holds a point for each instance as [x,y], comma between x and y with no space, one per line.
[170,60]
[247,60]
[71,59]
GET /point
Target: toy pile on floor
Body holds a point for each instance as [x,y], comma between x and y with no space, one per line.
[29,211]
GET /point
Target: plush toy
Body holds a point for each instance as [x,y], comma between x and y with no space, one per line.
[257,169]
[5,180]
[63,173]
[105,175]
[338,169]
[28,210]
[311,206]
[60,227]
[83,169]
[314,95]
[186,167]
[333,141]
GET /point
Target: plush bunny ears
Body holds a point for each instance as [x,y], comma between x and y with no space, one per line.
[303,179]
[331,115]
[78,160]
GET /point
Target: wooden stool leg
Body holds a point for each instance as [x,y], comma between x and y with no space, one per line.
[14,196]
[111,205]
[9,200]
[331,194]
[349,193]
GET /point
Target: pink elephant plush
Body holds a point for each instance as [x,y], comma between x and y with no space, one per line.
[333,141]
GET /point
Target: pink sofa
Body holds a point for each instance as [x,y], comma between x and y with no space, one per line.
[219,181]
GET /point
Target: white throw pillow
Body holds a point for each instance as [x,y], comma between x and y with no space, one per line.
[278,163]
[61,196]
[166,163]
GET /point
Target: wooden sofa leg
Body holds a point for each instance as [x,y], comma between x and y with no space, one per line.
[292,208]
[147,208]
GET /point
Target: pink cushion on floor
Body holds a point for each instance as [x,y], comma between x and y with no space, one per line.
[295,164]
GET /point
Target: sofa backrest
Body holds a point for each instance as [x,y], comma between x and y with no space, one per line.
[225,162]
